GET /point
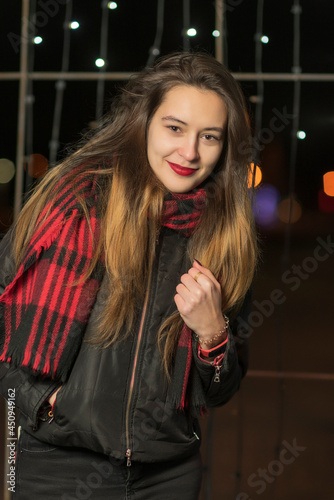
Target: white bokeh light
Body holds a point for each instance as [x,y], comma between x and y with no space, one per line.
[191,32]
[100,62]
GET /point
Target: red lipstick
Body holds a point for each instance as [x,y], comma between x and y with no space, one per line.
[181,170]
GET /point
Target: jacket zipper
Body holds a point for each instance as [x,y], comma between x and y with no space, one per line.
[128,452]
[217,372]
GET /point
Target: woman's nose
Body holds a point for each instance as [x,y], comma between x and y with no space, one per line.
[189,149]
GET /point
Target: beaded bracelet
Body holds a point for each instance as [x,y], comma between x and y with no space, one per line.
[215,337]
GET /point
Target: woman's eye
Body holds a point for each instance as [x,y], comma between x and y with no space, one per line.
[210,137]
[174,128]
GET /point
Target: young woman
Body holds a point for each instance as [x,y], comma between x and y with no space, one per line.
[119,315]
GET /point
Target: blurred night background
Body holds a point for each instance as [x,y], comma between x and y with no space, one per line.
[58,77]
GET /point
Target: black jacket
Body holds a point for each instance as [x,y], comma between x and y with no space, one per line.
[117,399]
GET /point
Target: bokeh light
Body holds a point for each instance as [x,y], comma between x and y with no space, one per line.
[328,179]
[74,25]
[301,134]
[37,165]
[265,204]
[191,32]
[289,210]
[100,62]
[264,39]
[112,5]
[325,202]
[37,40]
[7,170]
[216,33]
[258,175]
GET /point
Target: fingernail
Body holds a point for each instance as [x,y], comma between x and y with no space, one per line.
[198,262]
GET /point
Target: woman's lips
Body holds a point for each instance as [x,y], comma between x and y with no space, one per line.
[181,170]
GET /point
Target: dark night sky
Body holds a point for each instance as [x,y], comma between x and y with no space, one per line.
[132,29]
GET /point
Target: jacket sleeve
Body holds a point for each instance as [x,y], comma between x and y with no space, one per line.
[30,390]
[221,382]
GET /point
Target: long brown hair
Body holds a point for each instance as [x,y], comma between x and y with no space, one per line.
[115,155]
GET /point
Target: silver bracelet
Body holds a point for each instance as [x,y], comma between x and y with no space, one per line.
[215,337]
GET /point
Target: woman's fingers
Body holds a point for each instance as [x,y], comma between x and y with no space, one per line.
[198,300]
[198,268]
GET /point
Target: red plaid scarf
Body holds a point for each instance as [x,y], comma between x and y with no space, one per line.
[43,316]
[182,212]
[42,322]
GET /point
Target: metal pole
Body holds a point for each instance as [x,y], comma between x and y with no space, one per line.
[125,75]
[103,55]
[186,24]
[219,42]
[321,377]
[155,49]
[19,178]
[260,84]
[60,87]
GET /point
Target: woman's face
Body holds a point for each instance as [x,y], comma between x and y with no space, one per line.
[186,136]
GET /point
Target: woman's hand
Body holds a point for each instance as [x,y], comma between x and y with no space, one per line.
[199,302]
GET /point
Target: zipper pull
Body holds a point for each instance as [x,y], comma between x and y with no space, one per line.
[217,374]
[128,457]
[50,414]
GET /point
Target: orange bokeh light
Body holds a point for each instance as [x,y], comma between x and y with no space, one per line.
[329,183]
[37,165]
[258,175]
[289,211]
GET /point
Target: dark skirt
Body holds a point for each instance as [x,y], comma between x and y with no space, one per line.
[44,471]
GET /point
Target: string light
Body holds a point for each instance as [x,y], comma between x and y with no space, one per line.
[264,39]
[301,134]
[258,175]
[100,62]
[325,202]
[74,25]
[328,179]
[289,211]
[265,205]
[7,170]
[37,165]
[216,33]
[112,5]
[191,32]
[37,40]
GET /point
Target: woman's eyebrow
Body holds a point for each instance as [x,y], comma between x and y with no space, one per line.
[174,119]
